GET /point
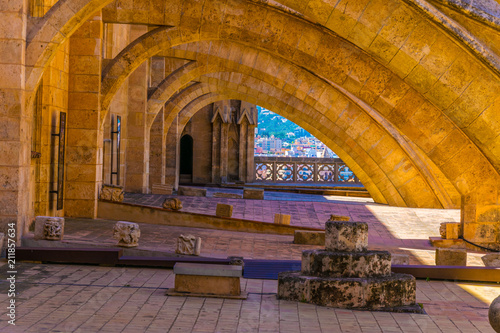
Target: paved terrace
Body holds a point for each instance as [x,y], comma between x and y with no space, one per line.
[67,298]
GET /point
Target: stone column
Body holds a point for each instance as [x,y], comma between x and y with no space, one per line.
[224,131]
[156,149]
[84,131]
[216,129]
[250,162]
[137,154]
[243,167]
[170,156]
[14,119]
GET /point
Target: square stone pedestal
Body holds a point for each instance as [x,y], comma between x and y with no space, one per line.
[207,280]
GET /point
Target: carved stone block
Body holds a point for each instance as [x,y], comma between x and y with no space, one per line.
[451,257]
[224,210]
[127,233]
[282,219]
[111,193]
[49,228]
[172,204]
[188,244]
[346,236]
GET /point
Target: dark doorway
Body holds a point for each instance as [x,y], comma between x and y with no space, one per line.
[186,159]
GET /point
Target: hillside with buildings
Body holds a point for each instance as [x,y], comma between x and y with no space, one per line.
[278,136]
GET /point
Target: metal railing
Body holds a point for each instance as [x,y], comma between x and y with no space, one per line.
[302,169]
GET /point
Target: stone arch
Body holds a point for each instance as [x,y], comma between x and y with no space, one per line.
[173,108]
[447,123]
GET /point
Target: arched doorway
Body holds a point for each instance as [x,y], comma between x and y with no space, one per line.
[186,159]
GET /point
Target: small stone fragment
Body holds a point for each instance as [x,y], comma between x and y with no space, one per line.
[49,228]
[172,204]
[224,210]
[111,193]
[282,219]
[127,233]
[188,244]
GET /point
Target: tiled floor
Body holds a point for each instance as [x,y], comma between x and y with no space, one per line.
[68,298]
[73,298]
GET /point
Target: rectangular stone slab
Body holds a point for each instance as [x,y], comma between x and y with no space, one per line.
[202,284]
[309,237]
[208,269]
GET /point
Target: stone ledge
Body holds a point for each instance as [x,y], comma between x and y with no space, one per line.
[208,269]
[323,263]
[192,191]
[395,293]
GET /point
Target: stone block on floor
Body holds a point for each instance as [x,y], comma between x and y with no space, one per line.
[251,193]
[224,210]
[451,257]
[162,189]
[227,195]
[334,217]
[192,191]
[209,279]
[188,244]
[49,228]
[309,237]
[282,219]
[127,233]
[400,259]
[491,260]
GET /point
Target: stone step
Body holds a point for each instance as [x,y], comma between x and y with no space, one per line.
[346,264]
[392,293]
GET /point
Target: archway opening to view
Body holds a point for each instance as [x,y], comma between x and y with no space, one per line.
[285,152]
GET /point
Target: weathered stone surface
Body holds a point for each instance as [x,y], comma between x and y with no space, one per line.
[251,193]
[346,236]
[346,264]
[111,193]
[334,217]
[451,257]
[2,237]
[282,219]
[161,189]
[309,237]
[227,195]
[392,293]
[450,230]
[127,233]
[491,260]
[49,228]
[172,204]
[192,191]
[494,314]
[224,210]
[188,244]
[400,259]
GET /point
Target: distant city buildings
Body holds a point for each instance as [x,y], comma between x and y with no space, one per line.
[292,142]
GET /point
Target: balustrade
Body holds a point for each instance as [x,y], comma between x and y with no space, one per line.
[303,169]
